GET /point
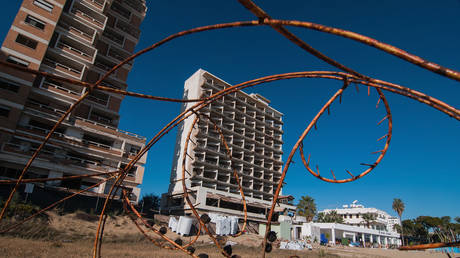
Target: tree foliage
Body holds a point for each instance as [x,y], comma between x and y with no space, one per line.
[369,218]
[330,217]
[427,229]
[307,207]
[150,203]
[398,206]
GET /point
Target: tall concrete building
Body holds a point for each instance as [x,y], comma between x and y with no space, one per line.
[253,131]
[82,40]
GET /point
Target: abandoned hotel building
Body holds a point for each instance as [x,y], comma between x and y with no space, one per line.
[253,132]
[77,39]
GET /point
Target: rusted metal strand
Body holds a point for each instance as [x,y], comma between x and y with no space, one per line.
[436,68]
[238,24]
[289,161]
[143,231]
[37,180]
[263,17]
[254,82]
[371,167]
[29,163]
[223,26]
[53,205]
[184,188]
[429,246]
[277,25]
[235,173]
[268,79]
[88,85]
[273,78]
[156,231]
[139,216]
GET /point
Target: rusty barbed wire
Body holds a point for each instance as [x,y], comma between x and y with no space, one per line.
[348,76]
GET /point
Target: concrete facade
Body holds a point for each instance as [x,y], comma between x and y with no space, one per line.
[82,40]
[335,232]
[253,132]
[353,215]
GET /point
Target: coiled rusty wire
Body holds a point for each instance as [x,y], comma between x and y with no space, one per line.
[347,76]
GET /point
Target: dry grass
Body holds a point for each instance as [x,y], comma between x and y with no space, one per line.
[15,247]
[72,235]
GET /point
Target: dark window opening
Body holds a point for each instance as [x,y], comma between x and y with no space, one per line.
[6,85]
[17,61]
[28,42]
[4,111]
[35,22]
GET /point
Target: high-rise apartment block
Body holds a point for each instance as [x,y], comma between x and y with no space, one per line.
[253,132]
[81,40]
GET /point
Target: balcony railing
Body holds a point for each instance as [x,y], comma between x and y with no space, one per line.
[47,84]
[101,119]
[120,10]
[103,66]
[76,51]
[17,148]
[44,107]
[113,36]
[100,145]
[73,30]
[98,3]
[116,55]
[87,17]
[131,30]
[60,112]
[42,130]
[62,67]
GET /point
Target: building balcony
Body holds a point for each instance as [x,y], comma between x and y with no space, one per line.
[136,5]
[20,149]
[113,36]
[76,28]
[40,131]
[108,129]
[60,89]
[85,13]
[101,147]
[104,65]
[43,108]
[98,4]
[97,100]
[59,63]
[118,55]
[75,48]
[120,10]
[39,108]
[129,29]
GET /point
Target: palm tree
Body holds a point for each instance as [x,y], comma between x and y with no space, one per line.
[398,206]
[368,218]
[330,217]
[307,207]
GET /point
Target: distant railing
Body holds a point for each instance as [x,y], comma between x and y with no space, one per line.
[70,28]
[131,30]
[112,128]
[98,3]
[89,121]
[63,45]
[136,6]
[100,145]
[110,35]
[86,16]
[52,85]
[55,64]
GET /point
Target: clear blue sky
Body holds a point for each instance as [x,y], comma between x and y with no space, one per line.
[422,165]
